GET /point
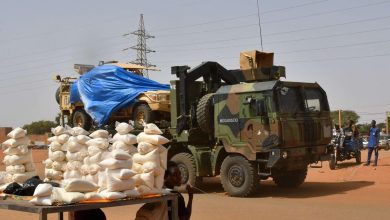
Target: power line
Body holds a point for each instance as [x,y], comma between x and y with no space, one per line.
[339,58]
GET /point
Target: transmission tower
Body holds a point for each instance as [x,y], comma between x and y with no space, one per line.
[141,47]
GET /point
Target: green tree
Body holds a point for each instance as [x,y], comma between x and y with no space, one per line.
[40,127]
[346,115]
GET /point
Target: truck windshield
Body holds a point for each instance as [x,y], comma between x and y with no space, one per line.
[294,99]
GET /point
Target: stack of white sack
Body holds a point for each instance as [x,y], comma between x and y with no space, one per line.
[123,140]
[97,151]
[76,151]
[55,165]
[151,160]
[118,180]
[46,195]
[18,158]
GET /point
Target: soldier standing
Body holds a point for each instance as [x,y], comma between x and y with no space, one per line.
[373,142]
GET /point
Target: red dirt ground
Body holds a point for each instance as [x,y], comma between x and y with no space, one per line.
[349,192]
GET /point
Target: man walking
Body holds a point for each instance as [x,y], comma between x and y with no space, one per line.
[373,142]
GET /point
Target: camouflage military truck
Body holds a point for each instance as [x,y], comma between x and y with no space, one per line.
[150,106]
[246,125]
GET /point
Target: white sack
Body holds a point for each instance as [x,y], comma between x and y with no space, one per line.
[119,145]
[78,131]
[152,156]
[151,138]
[92,178]
[145,147]
[146,179]
[122,174]
[19,150]
[73,174]
[59,166]
[17,159]
[61,195]
[163,156]
[123,128]
[79,156]
[57,156]
[58,130]
[42,201]
[159,181]
[43,189]
[16,142]
[53,174]
[93,150]
[132,193]
[152,167]
[13,169]
[52,139]
[112,163]
[101,143]
[17,133]
[152,129]
[137,167]
[93,196]
[112,195]
[82,139]
[73,146]
[99,134]
[55,146]
[125,138]
[78,185]
[48,163]
[63,138]
[120,155]
[117,185]
[93,169]
[22,177]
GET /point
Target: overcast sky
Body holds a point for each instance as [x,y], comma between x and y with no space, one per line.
[344,45]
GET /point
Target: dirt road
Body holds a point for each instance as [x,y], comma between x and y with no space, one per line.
[350,192]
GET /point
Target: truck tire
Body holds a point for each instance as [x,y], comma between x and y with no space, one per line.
[58,95]
[81,119]
[142,113]
[187,167]
[239,176]
[290,179]
[332,162]
[205,114]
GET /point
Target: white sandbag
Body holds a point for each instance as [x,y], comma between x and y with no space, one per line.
[99,134]
[91,196]
[119,145]
[13,169]
[112,195]
[43,189]
[59,166]
[73,146]
[92,178]
[17,159]
[48,163]
[120,154]
[22,177]
[151,138]
[163,156]
[19,150]
[95,159]
[29,167]
[58,130]
[93,150]
[145,190]
[53,174]
[52,139]
[146,179]
[46,200]
[79,156]
[74,165]
[152,167]
[152,156]
[132,193]
[16,142]
[125,138]
[3,177]
[137,167]
[145,147]
[55,146]
[159,181]
[118,185]
[112,163]
[152,129]
[57,156]
[17,133]
[101,143]
[63,138]
[72,174]
[78,131]
[102,183]
[93,169]
[79,185]
[122,174]
[84,169]
[82,139]
[61,195]
[123,128]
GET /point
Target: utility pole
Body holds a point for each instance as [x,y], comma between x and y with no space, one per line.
[340,119]
[387,123]
[141,47]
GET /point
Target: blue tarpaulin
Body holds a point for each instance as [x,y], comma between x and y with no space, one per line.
[108,88]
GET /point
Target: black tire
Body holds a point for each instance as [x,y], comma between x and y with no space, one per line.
[358,157]
[142,113]
[332,162]
[58,95]
[290,179]
[187,167]
[239,176]
[205,114]
[81,119]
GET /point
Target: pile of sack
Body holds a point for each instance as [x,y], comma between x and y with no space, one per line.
[18,157]
[55,165]
[150,162]
[123,140]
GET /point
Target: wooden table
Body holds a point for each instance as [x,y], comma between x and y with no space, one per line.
[43,211]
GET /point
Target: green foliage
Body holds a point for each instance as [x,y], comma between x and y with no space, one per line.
[346,115]
[40,127]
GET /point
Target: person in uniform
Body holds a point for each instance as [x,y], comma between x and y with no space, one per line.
[373,143]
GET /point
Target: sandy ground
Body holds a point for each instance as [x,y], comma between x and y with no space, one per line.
[349,192]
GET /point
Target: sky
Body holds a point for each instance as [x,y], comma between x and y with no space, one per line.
[344,45]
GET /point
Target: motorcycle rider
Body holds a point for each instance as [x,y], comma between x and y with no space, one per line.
[351,133]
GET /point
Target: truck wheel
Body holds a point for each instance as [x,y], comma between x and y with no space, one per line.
[81,119]
[358,157]
[58,95]
[239,176]
[205,114]
[332,162]
[187,167]
[142,114]
[291,178]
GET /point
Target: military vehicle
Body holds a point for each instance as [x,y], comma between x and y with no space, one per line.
[150,106]
[246,125]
